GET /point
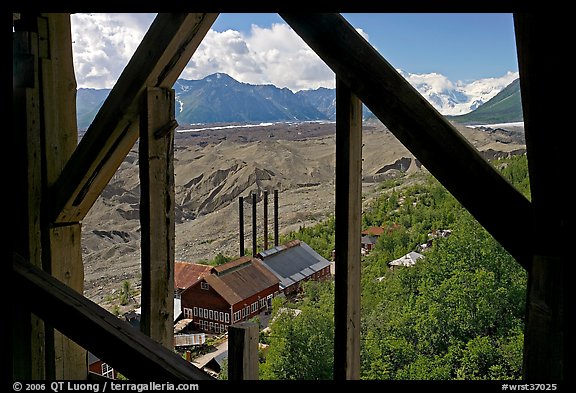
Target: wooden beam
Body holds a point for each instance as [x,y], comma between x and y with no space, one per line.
[62,252]
[348,228]
[548,151]
[156,157]
[497,205]
[116,342]
[27,330]
[162,55]
[243,351]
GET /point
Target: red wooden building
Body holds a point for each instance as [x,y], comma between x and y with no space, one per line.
[187,274]
[229,293]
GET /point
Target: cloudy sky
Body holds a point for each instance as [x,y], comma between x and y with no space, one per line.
[447,49]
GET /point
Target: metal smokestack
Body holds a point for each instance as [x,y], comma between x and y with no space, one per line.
[254,246]
[275,218]
[265,220]
[241,215]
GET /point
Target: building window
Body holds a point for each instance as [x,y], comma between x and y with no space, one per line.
[227,318]
[221,316]
[195,311]
[254,307]
[211,326]
[204,285]
[211,314]
[107,371]
[187,312]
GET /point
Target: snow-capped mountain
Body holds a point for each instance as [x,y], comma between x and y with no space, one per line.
[457,98]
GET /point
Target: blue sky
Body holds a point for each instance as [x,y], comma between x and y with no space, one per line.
[261,48]
[460,46]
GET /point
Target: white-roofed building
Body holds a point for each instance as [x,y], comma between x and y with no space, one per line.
[406,260]
[293,263]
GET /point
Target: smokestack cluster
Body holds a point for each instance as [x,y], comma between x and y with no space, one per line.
[254,222]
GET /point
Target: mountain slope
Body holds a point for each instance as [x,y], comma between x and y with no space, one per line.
[220,98]
[504,107]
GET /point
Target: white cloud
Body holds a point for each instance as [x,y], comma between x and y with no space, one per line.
[103,44]
[273,55]
[432,81]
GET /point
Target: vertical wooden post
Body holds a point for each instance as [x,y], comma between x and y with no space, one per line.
[265,220]
[544,331]
[156,154]
[243,351]
[27,329]
[62,252]
[348,228]
[241,223]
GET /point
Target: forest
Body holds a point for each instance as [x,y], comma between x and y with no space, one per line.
[458,313]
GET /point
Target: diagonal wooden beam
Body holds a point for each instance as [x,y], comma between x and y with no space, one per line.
[162,55]
[496,204]
[130,351]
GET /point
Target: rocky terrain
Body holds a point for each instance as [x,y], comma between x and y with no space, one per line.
[213,167]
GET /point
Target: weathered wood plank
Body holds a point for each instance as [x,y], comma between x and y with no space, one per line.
[243,351]
[156,157]
[162,55]
[128,350]
[547,149]
[27,330]
[497,205]
[68,360]
[348,228]
[63,253]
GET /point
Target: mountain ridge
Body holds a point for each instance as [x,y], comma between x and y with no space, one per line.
[219,98]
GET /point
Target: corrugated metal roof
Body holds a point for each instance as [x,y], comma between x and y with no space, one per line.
[239,279]
[407,260]
[368,239]
[374,231]
[293,261]
[187,274]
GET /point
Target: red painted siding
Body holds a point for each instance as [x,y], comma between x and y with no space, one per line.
[212,313]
